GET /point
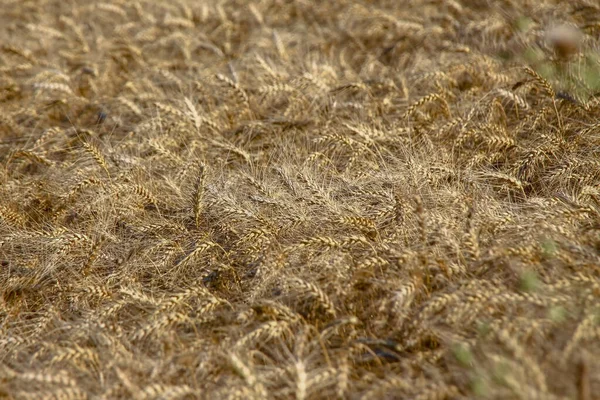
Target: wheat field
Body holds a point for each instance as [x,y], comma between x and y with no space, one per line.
[293,199]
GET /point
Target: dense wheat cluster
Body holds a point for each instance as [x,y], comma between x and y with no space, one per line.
[281,199]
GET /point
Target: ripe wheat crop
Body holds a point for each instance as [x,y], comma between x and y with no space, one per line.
[299,199]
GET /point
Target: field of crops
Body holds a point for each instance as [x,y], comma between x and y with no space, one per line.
[296,199]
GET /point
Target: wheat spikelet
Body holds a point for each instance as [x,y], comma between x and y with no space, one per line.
[301,380]
[420,212]
[130,105]
[438,393]
[402,299]
[277,310]
[57,394]
[517,101]
[198,250]
[158,390]
[248,375]
[160,324]
[21,52]
[364,224]
[8,121]
[102,292]
[97,155]
[111,8]
[47,135]
[272,90]
[256,235]
[70,23]
[383,386]
[262,188]
[281,51]
[435,305]
[94,253]
[174,301]
[193,113]
[170,77]
[334,327]
[80,186]
[8,342]
[319,241]
[509,180]
[241,93]
[53,87]
[421,102]
[472,236]
[60,378]
[233,149]
[160,149]
[541,81]
[32,156]
[111,310]
[70,240]
[12,217]
[342,381]
[334,139]
[138,296]
[76,354]
[521,355]
[168,110]
[372,262]
[50,75]
[267,331]
[584,331]
[354,241]
[315,293]
[198,194]
[177,22]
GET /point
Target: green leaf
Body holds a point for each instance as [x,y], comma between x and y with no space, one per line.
[557,314]
[529,281]
[523,24]
[463,354]
[549,248]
